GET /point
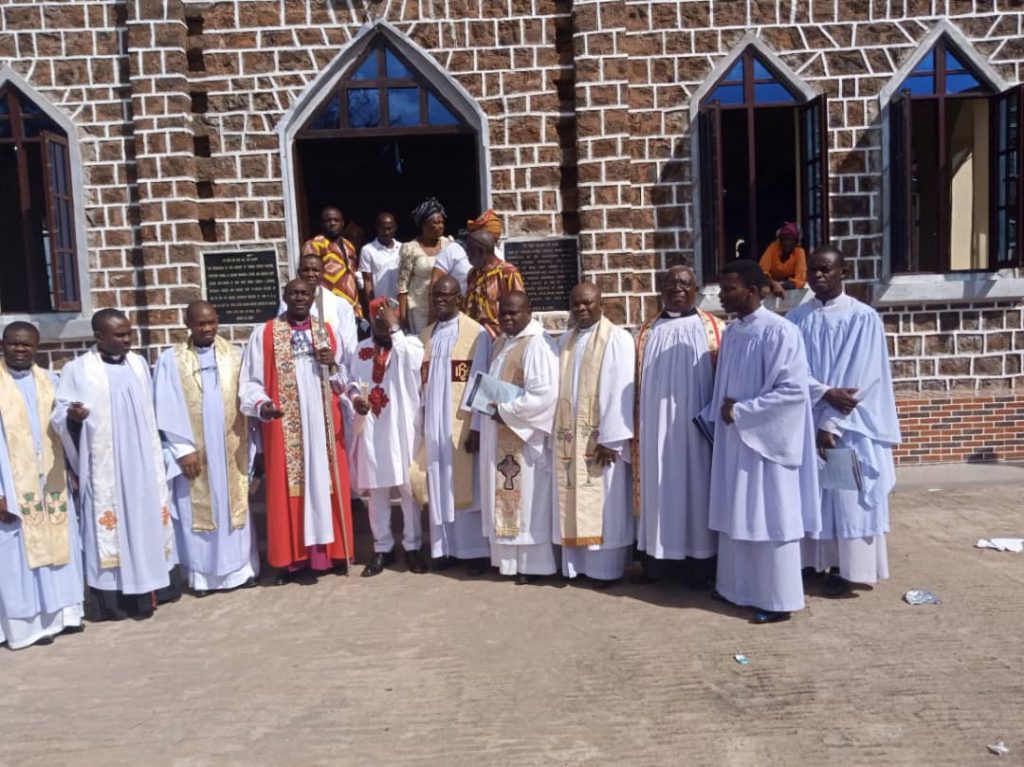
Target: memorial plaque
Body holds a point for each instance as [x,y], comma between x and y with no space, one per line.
[550,269]
[242,285]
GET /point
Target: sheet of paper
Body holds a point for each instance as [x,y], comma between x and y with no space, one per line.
[840,470]
[483,389]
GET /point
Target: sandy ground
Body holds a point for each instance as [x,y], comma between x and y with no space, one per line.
[441,669]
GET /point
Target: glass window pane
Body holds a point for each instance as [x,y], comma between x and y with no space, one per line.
[920,85]
[368,69]
[771,93]
[727,94]
[403,106]
[395,68]
[5,128]
[962,83]
[438,113]
[735,74]
[761,72]
[34,127]
[4,109]
[953,62]
[363,108]
[329,117]
[29,109]
[927,64]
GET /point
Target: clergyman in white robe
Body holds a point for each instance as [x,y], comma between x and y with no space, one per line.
[226,556]
[454,532]
[35,602]
[128,537]
[606,561]
[764,480]
[530,417]
[386,439]
[676,381]
[846,348]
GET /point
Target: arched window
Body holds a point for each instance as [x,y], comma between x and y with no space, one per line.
[39,265]
[381,95]
[955,167]
[763,160]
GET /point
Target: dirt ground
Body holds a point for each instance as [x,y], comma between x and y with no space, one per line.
[441,669]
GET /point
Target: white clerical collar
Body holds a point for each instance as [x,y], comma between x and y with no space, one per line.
[590,329]
[19,373]
[832,301]
[448,323]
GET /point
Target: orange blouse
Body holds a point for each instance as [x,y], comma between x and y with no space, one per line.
[793,268]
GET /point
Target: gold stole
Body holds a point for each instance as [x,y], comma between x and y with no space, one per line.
[463,354]
[577,429]
[228,365]
[288,401]
[509,450]
[44,520]
[713,328]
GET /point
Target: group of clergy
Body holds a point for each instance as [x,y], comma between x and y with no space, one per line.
[700,443]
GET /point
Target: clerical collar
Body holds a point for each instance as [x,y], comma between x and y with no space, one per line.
[667,315]
[19,373]
[831,301]
[111,359]
[448,322]
[305,324]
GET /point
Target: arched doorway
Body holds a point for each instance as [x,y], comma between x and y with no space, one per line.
[382,136]
[763,148]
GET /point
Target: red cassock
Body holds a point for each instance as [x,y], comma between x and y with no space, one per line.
[285,525]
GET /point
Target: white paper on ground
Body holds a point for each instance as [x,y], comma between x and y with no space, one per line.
[1016,545]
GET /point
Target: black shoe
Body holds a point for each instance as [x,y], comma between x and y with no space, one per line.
[43,642]
[770,616]
[74,629]
[340,568]
[478,567]
[381,559]
[836,586]
[525,580]
[250,583]
[810,572]
[440,564]
[601,584]
[282,578]
[414,561]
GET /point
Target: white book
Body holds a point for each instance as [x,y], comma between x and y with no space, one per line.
[840,470]
[484,389]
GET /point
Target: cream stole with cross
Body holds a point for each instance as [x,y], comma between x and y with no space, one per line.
[229,363]
[508,453]
[462,356]
[44,518]
[577,428]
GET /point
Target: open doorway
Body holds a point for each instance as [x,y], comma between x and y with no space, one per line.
[383,137]
[366,175]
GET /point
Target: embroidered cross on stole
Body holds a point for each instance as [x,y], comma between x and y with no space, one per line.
[509,448]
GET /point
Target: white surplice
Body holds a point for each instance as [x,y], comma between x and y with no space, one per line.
[41,602]
[764,479]
[675,460]
[452,533]
[531,418]
[140,491]
[608,559]
[386,440]
[218,559]
[318,526]
[846,348]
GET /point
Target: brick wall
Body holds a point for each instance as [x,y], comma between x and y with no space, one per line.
[954,429]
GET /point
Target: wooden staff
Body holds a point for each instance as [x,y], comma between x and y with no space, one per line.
[332,446]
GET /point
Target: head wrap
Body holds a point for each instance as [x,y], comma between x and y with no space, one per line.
[425,210]
[789,228]
[488,221]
